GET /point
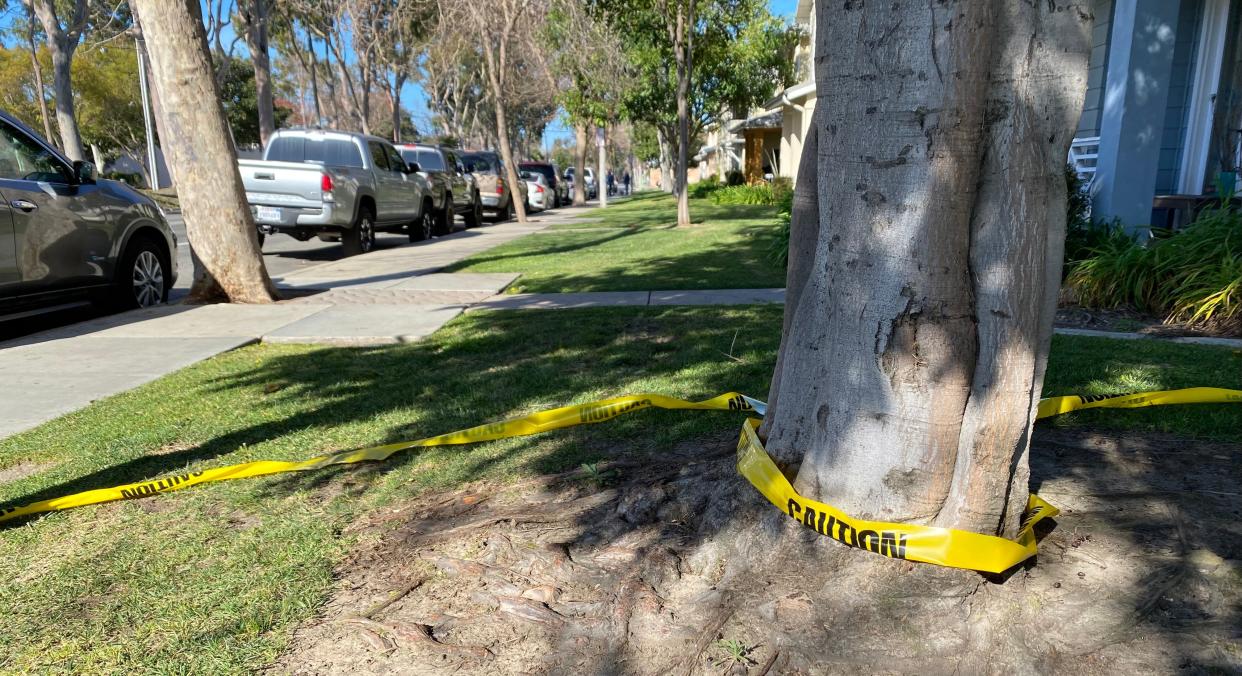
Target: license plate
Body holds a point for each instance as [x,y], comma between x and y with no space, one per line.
[269,214]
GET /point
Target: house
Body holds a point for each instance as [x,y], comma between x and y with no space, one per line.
[1162,117]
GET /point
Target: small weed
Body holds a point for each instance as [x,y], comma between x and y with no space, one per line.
[597,476]
[732,651]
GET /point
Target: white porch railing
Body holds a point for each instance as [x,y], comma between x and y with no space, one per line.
[1084,153]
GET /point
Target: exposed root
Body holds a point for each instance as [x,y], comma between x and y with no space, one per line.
[680,559]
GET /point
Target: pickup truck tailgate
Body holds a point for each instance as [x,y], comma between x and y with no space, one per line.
[282,184]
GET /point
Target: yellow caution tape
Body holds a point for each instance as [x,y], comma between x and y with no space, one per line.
[943,546]
[543,421]
[1191,395]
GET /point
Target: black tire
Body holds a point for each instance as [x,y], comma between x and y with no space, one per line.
[508,215]
[474,217]
[142,278]
[424,226]
[262,237]
[444,217]
[360,238]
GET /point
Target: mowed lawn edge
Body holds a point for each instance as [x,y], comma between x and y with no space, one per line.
[635,246]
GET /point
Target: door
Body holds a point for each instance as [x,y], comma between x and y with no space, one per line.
[456,175]
[8,254]
[409,190]
[61,233]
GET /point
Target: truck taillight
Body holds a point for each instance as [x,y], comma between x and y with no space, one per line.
[500,186]
[325,183]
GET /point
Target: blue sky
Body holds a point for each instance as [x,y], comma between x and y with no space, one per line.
[413,98]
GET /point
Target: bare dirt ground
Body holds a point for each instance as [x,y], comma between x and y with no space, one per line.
[679,566]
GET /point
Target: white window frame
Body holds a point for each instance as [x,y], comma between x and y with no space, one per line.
[1211,55]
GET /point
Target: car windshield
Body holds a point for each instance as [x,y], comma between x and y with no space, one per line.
[330,152]
[483,164]
[428,160]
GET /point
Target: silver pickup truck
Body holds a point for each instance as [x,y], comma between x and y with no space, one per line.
[336,186]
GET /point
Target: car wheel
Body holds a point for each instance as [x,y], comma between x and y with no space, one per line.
[361,238]
[474,217]
[423,227]
[444,219]
[262,237]
[142,278]
[509,211]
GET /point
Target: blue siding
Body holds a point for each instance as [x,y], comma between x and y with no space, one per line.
[1097,68]
[1173,135]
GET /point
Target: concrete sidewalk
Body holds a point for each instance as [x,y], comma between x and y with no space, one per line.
[389,296]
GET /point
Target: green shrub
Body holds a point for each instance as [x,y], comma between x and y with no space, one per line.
[1194,275]
[784,215]
[745,194]
[705,187]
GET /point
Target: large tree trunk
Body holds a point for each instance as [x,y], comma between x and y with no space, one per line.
[254,20]
[921,300]
[682,50]
[213,201]
[580,152]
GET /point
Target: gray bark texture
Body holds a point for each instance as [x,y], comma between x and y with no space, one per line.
[580,151]
[254,18]
[921,296]
[62,41]
[213,201]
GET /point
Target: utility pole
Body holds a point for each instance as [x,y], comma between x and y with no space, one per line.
[145,89]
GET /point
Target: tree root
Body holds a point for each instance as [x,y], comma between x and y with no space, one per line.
[418,635]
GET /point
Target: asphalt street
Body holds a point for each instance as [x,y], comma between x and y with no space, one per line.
[281,253]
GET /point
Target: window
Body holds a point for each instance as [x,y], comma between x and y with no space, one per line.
[378,157]
[395,162]
[430,160]
[483,164]
[23,159]
[328,152]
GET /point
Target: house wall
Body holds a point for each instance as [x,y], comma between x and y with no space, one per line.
[1173,135]
[1097,67]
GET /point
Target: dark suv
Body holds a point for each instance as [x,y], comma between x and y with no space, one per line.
[453,190]
[560,189]
[68,236]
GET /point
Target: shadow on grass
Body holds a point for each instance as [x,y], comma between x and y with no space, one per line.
[484,367]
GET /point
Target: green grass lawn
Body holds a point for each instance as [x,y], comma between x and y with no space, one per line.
[635,247]
[213,579]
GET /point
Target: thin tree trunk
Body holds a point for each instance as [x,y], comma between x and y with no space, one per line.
[580,151]
[40,91]
[666,163]
[683,50]
[398,85]
[62,88]
[506,154]
[254,15]
[918,329]
[314,78]
[213,201]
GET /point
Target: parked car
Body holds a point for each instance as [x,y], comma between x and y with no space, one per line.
[588,180]
[69,236]
[559,188]
[539,195]
[453,191]
[489,174]
[336,186]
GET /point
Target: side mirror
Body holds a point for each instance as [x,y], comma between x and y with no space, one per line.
[412,168]
[83,172]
